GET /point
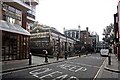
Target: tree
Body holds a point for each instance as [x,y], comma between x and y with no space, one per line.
[108,33]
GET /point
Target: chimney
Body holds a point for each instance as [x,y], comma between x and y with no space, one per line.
[79,31]
[64,30]
[87,29]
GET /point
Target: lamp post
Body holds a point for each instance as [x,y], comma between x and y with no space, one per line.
[58,49]
[66,49]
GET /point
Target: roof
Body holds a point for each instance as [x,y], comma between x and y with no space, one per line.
[9,27]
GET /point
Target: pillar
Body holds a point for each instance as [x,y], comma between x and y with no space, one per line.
[24,20]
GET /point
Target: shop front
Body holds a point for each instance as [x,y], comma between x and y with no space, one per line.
[14,46]
[15,42]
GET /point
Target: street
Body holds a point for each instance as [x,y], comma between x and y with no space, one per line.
[89,66]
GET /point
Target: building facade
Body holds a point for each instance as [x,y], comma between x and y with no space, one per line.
[48,38]
[117,32]
[73,33]
[86,40]
[95,41]
[85,37]
[14,28]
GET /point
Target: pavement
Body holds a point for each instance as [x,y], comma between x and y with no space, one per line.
[115,64]
[8,66]
[111,72]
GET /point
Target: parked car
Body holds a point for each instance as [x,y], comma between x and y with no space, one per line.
[104,52]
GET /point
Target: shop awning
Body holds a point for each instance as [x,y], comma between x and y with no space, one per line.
[6,26]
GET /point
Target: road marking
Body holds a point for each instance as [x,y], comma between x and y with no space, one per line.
[73,78]
[51,74]
[40,71]
[62,77]
[93,57]
[28,68]
[81,69]
[72,67]
[101,67]
[84,64]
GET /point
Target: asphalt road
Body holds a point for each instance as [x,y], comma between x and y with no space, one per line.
[89,66]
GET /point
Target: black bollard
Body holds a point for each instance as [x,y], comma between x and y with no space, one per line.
[30,58]
[109,56]
[46,55]
[65,55]
[57,56]
[109,60]
[79,54]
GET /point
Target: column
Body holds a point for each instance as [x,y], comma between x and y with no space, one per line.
[24,19]
[75,35]
[70,33]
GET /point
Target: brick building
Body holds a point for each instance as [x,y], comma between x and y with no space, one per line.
[117,32]
[16,17]
[85,37]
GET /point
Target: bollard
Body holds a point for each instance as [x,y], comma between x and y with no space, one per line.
[57,56]
[79,54]
[65,55]
[30,58]
[46,55]
[109,60]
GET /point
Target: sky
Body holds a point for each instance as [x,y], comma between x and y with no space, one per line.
[94,14]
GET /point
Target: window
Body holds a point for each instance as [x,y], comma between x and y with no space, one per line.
[77,35]
[68,33]
[11,9]
[73,34]
[11,14]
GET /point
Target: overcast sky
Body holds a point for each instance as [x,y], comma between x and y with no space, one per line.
[95,14]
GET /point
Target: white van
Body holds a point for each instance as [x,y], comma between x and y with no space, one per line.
[104,52]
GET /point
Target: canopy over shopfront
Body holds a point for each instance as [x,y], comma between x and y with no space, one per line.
[14,28]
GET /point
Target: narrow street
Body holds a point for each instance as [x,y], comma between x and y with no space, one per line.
[87,67]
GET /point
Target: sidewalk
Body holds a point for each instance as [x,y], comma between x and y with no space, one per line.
[8,66]
[115,64]
[112,71]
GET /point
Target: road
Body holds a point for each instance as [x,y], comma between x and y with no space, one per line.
[89,66]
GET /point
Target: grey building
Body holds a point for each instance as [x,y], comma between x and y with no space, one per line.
[45,37]
[95,41]
[73,33]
